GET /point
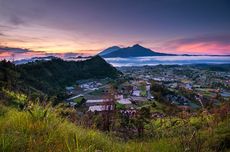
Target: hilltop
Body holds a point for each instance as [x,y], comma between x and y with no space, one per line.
[51,77]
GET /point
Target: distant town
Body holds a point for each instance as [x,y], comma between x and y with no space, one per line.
[187,87]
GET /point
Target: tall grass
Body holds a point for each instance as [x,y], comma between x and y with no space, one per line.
[41,129]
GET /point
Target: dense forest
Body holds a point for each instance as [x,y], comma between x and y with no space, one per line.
[51,77]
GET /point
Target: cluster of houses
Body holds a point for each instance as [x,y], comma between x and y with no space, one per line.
[90,86]
[174,78]
[99,104]
[135,96]
[206,85]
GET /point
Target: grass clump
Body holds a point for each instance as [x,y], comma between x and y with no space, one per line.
[40,129]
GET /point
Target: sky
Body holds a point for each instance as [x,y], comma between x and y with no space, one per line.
[89,26]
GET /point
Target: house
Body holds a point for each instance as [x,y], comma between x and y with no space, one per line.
[90,85]
[136,93]
[120,99]
[100,108]
[97,102]
[124,101]
[137,99]
[188,86]
[69,90]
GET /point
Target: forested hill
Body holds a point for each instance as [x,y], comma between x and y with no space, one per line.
[50,77]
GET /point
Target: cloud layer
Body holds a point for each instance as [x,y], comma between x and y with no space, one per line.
[204,44]
[19,53]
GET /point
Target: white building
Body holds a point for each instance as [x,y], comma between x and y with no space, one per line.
[100,108]
[124,101]
[97,102]
[136,93]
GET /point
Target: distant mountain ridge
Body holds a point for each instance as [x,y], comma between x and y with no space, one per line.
[134,51]
[109,50]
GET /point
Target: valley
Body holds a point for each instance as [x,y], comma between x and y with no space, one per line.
[158,106]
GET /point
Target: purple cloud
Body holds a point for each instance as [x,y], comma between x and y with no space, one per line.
[204,44]
[220,39]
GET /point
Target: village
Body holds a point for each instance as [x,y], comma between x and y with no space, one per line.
[94,94]
[186,87]
[190,86]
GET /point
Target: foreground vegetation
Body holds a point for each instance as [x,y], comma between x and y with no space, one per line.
[41,127]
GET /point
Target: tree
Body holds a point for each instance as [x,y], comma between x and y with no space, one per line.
[142,117]
[109,109]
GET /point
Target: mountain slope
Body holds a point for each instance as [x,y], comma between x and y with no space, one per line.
[134,51]
[51,77]
[109,50]
[58,73]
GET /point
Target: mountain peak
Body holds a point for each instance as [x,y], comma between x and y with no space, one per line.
[133,51]
[114,47]
[137,45]
[109,50]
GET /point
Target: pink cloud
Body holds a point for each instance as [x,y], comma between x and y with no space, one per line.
[204,48]
[19,53]
[199,45]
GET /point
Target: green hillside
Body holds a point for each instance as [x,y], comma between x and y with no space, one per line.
[51,77]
